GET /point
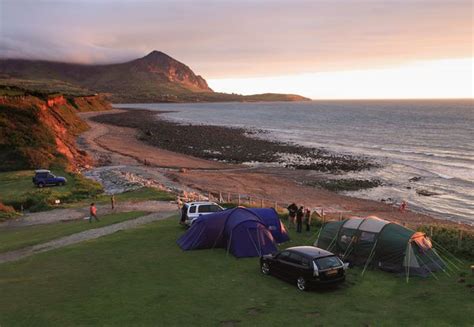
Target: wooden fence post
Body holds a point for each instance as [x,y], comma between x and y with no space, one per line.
[250,201]
[228,197]
[261,203]
[209,196]
[460,238]
[238,203]
[276,206]
[220,197]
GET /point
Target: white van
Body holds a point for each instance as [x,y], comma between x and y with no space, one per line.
[192,210]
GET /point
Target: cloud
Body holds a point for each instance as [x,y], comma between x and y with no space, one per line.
[239,38]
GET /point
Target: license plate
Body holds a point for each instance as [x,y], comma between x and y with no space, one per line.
[331,272]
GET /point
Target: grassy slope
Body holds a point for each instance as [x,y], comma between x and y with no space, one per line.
[17,238]
[16,188]
[141,277]
[17,86]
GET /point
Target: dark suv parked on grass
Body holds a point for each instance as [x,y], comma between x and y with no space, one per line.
[306,265]
[44,177]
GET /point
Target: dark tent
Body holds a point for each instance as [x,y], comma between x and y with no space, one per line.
[379,243]
[241,231]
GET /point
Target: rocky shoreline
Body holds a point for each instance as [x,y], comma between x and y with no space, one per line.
[231,145]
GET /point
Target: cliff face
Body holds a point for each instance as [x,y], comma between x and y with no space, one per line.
[37,133]
[171,70]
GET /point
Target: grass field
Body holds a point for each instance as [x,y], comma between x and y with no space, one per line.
[141,277]
[17,238]
[17,189]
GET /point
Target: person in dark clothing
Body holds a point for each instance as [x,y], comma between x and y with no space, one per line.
[307,219]
[299,219]
[184,214]
[292,209]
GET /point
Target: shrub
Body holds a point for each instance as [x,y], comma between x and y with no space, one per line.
[448,238]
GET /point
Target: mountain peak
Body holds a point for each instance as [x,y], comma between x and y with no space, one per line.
[156,54]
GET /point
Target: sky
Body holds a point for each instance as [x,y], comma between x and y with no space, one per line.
[336,49]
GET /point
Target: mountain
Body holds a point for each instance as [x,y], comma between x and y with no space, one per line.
[156,77]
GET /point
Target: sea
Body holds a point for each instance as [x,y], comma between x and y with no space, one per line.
[422,146]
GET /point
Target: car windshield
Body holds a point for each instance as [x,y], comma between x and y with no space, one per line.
[209,208]
[328,262]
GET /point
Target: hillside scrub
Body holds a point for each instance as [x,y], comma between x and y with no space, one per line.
[18,191]
[40,131]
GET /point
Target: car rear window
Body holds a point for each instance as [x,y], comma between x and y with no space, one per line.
[328,262]
[209,208]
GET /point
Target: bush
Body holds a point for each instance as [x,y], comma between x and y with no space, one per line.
[448,238]
[6,212]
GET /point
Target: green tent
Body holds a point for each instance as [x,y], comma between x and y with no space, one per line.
[379,243]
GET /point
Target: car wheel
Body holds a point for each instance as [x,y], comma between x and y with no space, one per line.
[265,268]
[301,284]
[40,185]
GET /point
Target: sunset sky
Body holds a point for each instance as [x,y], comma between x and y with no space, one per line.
[320,49]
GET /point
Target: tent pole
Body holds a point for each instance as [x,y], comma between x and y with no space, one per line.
[348,247]
[444,270]
[407,267]
[250,237]
[228,243]
[430,271]
[441,247]
[369,259]
[446,264]
[319,234]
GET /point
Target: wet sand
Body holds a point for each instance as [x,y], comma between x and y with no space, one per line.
[281,185]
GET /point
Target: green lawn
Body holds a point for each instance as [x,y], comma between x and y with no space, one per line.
[17,238]
[17,189]
[141,277]
[142,194]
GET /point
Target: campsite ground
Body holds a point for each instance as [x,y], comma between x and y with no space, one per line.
[141,277]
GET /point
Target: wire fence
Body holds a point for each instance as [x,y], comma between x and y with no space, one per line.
[459,238]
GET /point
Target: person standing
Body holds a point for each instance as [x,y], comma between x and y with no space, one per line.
[403,207]
[292,209]
[307,219]
[93,213]
[299,219]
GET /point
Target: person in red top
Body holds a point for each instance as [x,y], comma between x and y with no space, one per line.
[403,206]
[93,213]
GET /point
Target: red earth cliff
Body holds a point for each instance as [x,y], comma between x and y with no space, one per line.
[37,133]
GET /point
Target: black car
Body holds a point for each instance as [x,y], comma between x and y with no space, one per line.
[306,266]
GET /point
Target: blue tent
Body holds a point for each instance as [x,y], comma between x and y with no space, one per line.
[243,232]
[270,218]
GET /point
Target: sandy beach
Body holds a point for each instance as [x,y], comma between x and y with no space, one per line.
[119,145]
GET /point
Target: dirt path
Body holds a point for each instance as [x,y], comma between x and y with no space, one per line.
[82,236]
[58,215]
